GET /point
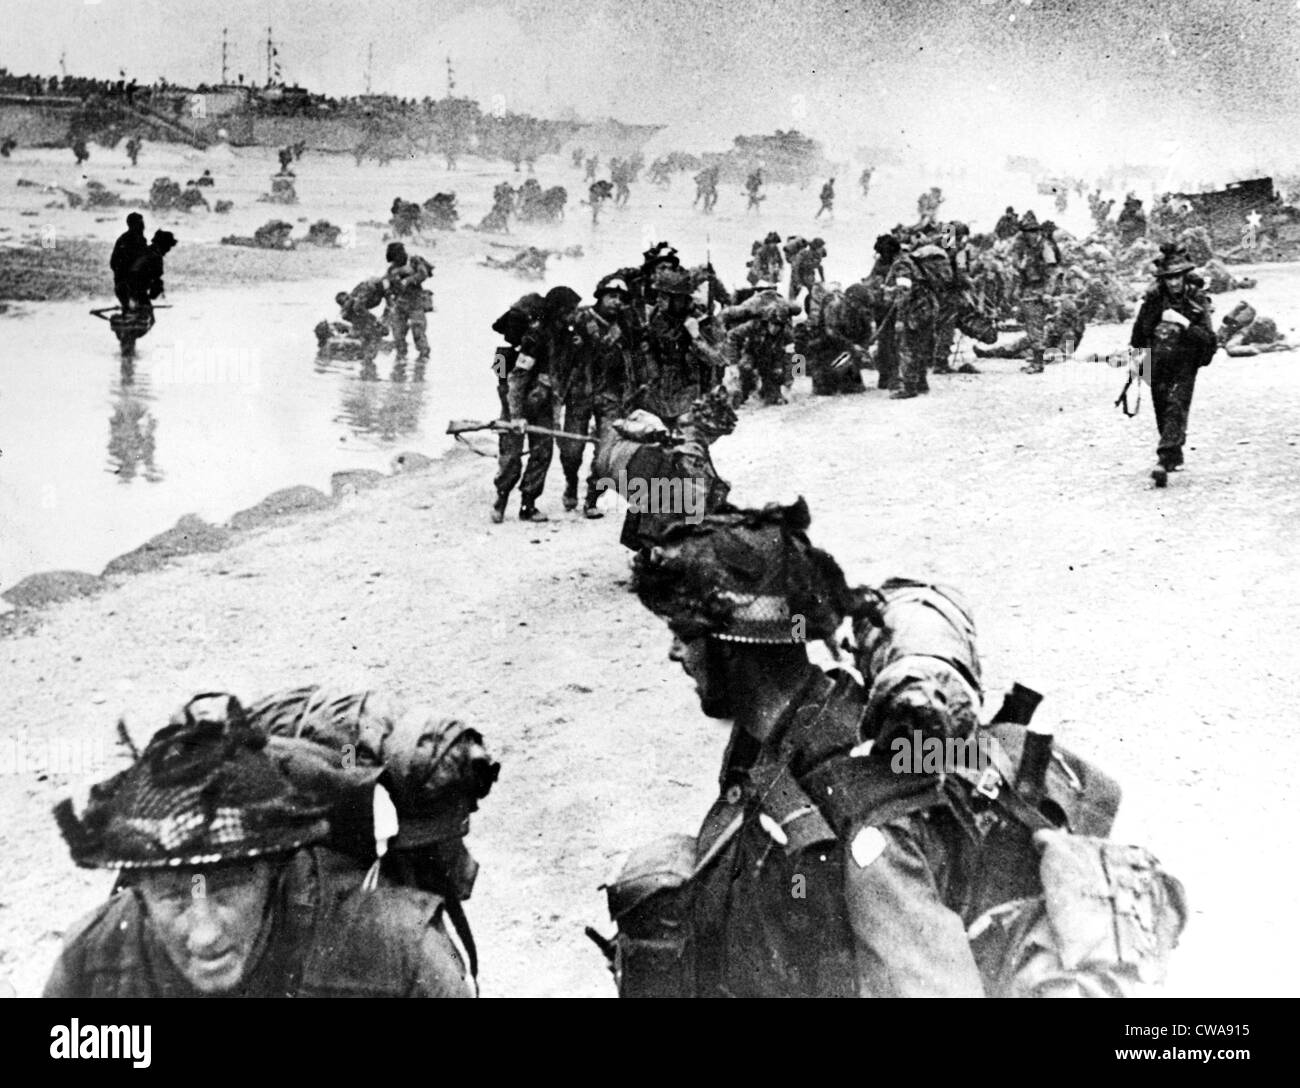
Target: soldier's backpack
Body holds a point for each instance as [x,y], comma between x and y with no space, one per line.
[351,749]
[935,266]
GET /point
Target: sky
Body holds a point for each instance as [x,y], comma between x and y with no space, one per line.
[1206,84]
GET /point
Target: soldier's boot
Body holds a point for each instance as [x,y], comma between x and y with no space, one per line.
[571,495]
[529,512]
[1160,475]
[499,509]
[905,392]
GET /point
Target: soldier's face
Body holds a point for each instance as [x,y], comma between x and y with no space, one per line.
[1175,284]
[701,660]
[209,921]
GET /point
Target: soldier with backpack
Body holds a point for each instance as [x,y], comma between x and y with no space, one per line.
[1036,259]
[833,862]
[229,885]
[917,285]
[538,334]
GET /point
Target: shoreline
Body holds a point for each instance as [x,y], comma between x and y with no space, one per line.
[528,631]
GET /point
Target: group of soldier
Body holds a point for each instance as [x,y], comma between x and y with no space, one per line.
[883,828]
[406,301]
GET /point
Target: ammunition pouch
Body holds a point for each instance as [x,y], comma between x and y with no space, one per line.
[1104,926]
[650,901]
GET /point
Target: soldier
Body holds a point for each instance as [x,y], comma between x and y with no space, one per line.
[927,206]
[955,299]
[767,262]
[865,180]
[1132,221]
[830,866]
[408,300]
[806,268]
[754,187]
[1037,262]
[1179,346]
[827,197]
[355,308]
[887,248]
[596,384]
[1007,226]
[597,193]
[915,286]
[79,150]
[711,188]
[836,337]
[620,173]
[679,364]
[129,247]
[133,146]
[646,467]
[530,399]
[592,164]
[225,888]
[761,349]
[1245,333]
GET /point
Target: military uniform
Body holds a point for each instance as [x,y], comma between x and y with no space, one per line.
[330,938]
[1036,262]
[593,391]
[916,307]
[406,280]
[530,397]
[207,814]
[1178,349]
[838,327]
[827,867]
[678,364]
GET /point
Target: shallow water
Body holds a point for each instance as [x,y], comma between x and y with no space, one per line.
[98,455]
[227,402]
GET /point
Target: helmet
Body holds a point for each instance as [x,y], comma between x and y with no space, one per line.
[395,253]
[773,238]
[676,282]
[613,284]
[745,576]
[1028,221]
[204,791]
[858,295]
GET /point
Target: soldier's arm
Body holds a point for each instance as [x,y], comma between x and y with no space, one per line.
[907,943]
[1148,317]
[519,383]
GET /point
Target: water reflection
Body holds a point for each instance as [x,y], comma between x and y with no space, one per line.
[132,427]
[386,410]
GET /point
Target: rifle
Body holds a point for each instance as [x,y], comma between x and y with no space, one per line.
[105,313]
[457,427]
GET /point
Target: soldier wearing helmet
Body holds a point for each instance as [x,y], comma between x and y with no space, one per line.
[535,386]
[678,363]
[761,349]
[226,888]
[834,339]
[792,886]
[1036,260]
[838,861]
[601,382]
[806,268]
[1175,325]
